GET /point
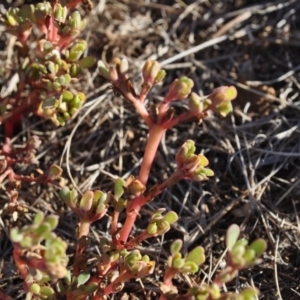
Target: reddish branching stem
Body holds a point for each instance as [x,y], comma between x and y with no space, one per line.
[114,222]
[136,204]
[21,265]
[23,104]
[155,135]
[83,230]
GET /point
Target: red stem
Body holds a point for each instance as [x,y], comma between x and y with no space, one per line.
[129,222]
[162,110]
[157,189]
[22,267]
[187,116]
[155,135]
[142,237]
[26,105]
[52,31]
[40,179]
[138,105]
[123,277]
[169,275]
[219,281]
[63,42]
[83,230]
[138,202]
[140,108]
[114,222]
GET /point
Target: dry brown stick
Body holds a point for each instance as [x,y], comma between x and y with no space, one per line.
[237,20]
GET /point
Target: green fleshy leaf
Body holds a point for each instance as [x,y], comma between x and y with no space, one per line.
[60,13]
[100,197]
[64,193]
[259,246]
[231,93]
[160,76]
[191,148]
[215,291]
[56,86]
[46,291]
[241,242]
[232,235]
[87,62]
[55,172]
[86,201]
[39,218]
[171,217]
[163,227]
[249,294]
[90,288]
[83,278]
[208,172]
[35,289]
[203,161]
[224,108]
[48,46]
[78,100]
[100,208]
[178,263]
[69,197]
[11,20]
[189,267]
[238,251]
[157,215]
[226,277]
[75,70]
[75,20]
[15,235]
[176,247]
[170,261]
[196,255]
[52,220]
[119,188]
[104,71]
[183,87]
[249,255]
[146,258]
[73,195]
[43,229]
[26,242]
[77,50]
[152,229]
[132,258]
[67,96]
[61,80]
[195,104]
[49,103]
[51,67]
[67,79]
